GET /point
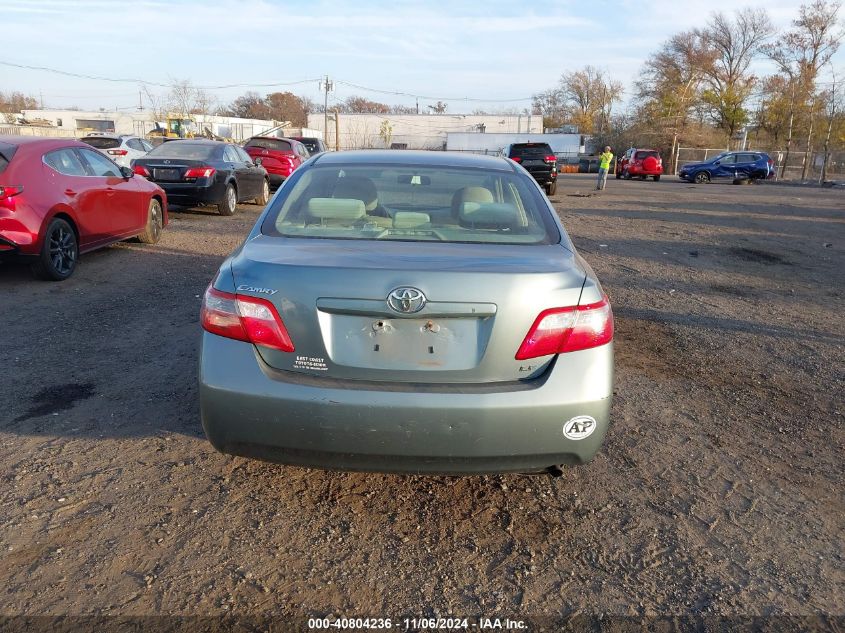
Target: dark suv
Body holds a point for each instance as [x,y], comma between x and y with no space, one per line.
[315,145]
[539,160]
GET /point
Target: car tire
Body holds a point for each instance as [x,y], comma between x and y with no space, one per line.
[155,224]
[702,178]
[229,202]
[265,194]
[551,188]
[59,252]
[656,178]
[626,174]
[642,177]
[618,175]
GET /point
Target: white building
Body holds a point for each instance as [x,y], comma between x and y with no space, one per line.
[561,144]
[414,131]
[141,122]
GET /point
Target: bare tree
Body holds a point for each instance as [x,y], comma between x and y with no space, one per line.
[802,51]
[589,97]
[734,43]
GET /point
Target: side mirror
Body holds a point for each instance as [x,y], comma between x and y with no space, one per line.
[718,162]
[126,172]
[258,161]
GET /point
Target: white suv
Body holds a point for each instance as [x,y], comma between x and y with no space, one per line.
[121,148]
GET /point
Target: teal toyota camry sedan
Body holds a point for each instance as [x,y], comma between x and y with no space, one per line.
[416,312]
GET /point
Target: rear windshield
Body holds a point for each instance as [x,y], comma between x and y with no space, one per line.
[7,151]
[436,204]
[312,144]
[101,142]
[643,154]
[276,144]
[534,149]
[182,149]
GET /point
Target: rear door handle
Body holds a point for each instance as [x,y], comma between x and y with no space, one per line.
[109,191]
[70,192]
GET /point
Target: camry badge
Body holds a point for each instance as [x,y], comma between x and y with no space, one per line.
[406,299]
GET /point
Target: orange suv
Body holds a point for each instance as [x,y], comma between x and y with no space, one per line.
[640,162]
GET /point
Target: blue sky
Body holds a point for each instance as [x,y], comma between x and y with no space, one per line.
[493,50]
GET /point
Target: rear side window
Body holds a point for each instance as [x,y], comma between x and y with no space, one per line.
[278,145]
[184,149]
[532,149]
[642,155]
[413,203]
[101,142]
[65,161]
[134,143]
[7,151]
[99,164]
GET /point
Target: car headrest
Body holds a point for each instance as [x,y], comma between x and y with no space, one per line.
[350,209]
[469,194]
[359,188]
[493,215]
[410,219]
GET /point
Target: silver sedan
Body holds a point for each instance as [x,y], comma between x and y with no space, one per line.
[407,312]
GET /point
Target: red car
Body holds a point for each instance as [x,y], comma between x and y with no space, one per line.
[61,197]
[641,163]
[279,156]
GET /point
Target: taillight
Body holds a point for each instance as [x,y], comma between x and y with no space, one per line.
[549,159]
[516,159]
[140,170]
[244,318]
[199,172]
[561,330]
[117,152]
[7,195]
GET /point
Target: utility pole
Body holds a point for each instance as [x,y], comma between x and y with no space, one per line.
[806,161]
[326,86]
[829,128]
[140,102]
[789,131]
[42,99]
[337,129]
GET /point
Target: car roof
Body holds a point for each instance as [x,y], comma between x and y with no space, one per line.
[416,158]
[276,138]
[45,142]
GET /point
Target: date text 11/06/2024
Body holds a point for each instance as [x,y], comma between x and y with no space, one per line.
[416,624]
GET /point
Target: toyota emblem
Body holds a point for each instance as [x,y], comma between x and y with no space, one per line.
[406,299]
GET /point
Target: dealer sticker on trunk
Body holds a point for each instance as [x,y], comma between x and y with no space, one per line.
[579,427]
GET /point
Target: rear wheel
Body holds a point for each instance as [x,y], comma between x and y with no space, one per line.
[59,252]
[265,194]
[155,223]
[626,174]
[551,188]
[656,178]
[702,177]
[229,202]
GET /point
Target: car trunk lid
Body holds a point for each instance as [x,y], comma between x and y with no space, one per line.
[353,311]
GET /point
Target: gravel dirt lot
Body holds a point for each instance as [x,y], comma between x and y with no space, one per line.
[719,489]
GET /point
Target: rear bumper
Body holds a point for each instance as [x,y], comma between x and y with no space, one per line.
[543,176]
[188,194]
[250,409]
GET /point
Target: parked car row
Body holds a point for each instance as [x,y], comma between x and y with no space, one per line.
[60,198]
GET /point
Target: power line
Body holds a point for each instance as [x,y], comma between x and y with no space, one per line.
[66,73]
[409,94]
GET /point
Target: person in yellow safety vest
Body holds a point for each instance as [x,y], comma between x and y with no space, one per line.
[604,165]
